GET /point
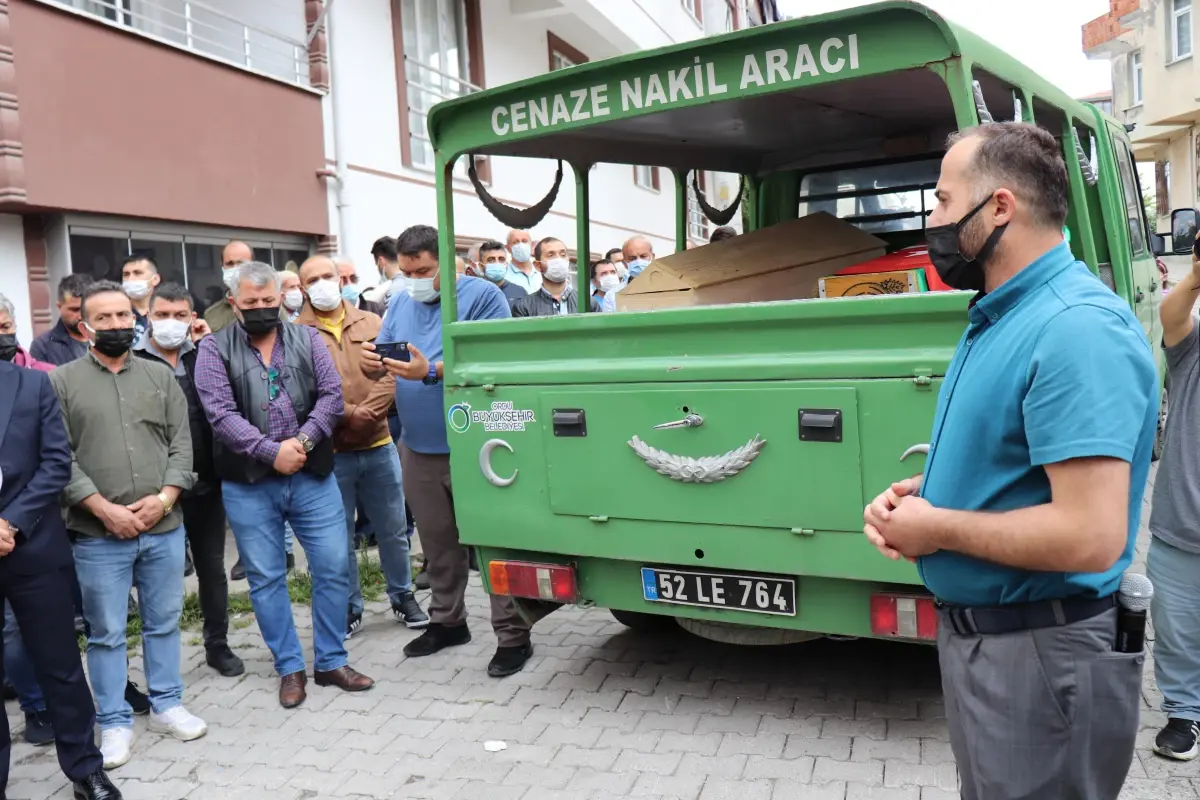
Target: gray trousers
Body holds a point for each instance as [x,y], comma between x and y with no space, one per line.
[427,487]
[1041,714]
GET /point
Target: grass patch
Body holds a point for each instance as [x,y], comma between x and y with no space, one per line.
[370,576]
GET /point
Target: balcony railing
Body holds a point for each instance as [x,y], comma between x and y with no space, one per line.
[426,87]
[206,30]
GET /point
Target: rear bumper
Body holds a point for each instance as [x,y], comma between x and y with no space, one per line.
[827,605]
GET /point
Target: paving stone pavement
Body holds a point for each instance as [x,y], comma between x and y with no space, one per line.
[600,712]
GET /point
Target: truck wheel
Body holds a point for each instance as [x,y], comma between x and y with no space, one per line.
[643,623]
[1160,434]
[752,635]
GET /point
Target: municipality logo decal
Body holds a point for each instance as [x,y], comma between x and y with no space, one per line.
[501,416]
[459,417]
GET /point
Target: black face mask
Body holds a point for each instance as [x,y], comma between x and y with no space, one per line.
[8,346]
[945,251]
[260,321]
[114,342]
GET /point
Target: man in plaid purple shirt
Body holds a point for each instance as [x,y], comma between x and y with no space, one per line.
[273,397]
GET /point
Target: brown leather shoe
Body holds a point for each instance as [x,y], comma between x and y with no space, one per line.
[291,689]
[345,678]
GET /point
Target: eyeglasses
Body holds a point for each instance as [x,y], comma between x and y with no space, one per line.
[273,384]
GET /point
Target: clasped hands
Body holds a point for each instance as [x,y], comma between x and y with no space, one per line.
[899,522]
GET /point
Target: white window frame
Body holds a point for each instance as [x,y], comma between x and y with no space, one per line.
[1136,78]
[643,178]
[1181,19]
[422,77]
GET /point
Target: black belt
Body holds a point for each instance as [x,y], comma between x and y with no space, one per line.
[967,621]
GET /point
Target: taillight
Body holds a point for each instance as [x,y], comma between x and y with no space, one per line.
[904,616]
[537,581]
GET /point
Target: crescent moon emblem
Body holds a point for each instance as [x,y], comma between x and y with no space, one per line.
[916,448]
[485,463]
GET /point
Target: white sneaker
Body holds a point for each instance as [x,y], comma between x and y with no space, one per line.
[116,745]
[178,723]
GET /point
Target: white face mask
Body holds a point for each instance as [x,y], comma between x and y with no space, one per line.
[170,334]
[622,270]
[136,289]
[421,290]
[325,295]
[609,282]
[229,277]
[293,299]
[522,252]
[557,270]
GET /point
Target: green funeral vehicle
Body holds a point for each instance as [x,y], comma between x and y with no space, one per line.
[708,465]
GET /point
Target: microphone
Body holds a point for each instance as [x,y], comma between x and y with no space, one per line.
[1133,602]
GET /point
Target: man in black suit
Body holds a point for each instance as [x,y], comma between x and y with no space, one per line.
[35,572]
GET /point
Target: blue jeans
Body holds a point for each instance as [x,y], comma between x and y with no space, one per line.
[371,479]
[18,668]
[1175,574]
[108,568]
[313,507]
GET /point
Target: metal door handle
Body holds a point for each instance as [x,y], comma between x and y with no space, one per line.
[690,421]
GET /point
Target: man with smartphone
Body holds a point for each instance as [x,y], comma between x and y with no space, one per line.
[415,318]
[365,462]
[1173,564]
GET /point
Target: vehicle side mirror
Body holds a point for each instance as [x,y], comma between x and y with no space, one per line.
[1184,223]
[1158,244]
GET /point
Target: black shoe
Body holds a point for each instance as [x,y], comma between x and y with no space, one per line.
[10,692]
[138,701]
[1178,740]
[38,730]
[132,611]
[408,611]
[421,581]
[509,660]
[81,626]
[291,561]
[435,638]
[97,786]
[353,624]
[238,573]
[189,569]
[224,661]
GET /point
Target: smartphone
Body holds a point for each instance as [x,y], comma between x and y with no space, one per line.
[397,351]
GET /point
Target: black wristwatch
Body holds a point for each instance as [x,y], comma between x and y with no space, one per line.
[305,442]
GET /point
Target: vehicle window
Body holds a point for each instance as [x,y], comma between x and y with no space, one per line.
[1132,193]
[876,199]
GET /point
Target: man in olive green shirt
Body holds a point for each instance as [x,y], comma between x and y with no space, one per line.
[131,457]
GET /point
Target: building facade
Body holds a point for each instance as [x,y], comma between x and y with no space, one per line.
[170,126]
[1156,88]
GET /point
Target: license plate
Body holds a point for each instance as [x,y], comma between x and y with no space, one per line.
[760,594]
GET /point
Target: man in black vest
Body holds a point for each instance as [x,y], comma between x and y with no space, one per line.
[173,329]
[273,397]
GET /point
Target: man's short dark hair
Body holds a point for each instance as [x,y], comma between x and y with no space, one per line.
[721,234]
[596,265]
[73,285]
[416,240]
[172,293]
[384,247]
[1025,159]
[136,257]
[95,288]
[616,251]
[490,246]
[537,249]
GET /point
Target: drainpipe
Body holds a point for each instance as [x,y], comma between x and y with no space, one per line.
[337,108]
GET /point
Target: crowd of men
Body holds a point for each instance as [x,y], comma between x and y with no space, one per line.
[149,429]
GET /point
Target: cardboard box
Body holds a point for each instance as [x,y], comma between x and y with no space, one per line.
[908,281]
[782,262]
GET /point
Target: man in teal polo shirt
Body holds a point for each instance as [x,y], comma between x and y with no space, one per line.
[1027,513]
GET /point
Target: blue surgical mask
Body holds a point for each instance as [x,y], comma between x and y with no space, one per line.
[350,293]
[636,266]
[495,272]
[421,290]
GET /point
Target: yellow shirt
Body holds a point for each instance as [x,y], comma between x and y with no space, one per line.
[334,327]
